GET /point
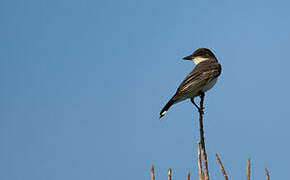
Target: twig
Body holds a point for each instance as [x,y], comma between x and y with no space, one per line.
[222,167]
[200,173]
[152,173]
[169,174]
[249,170]
[188,176]
[267,174]
[205,174]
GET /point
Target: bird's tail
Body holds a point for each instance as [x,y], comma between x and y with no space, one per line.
[166,107]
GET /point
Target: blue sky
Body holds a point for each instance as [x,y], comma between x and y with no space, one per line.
[82,84]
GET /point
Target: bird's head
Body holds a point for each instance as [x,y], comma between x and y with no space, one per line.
[200,55]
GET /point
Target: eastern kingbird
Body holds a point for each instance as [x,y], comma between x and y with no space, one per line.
[202,78]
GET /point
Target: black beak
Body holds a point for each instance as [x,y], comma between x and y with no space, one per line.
[190,57]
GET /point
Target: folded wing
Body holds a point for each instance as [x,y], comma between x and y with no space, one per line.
[201,75]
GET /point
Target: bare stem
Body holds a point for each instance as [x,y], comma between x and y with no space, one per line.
[267,174]
[202,143]
[249,169]
[200,173]
[152,173]
[188,176]
[169,174]
[222,167]
[205,174]
[200,110]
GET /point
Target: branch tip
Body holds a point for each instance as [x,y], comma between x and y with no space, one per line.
[188,176]
[249,169]
[267,174]
[222,167]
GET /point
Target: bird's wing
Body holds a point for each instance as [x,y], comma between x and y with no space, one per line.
[202,74]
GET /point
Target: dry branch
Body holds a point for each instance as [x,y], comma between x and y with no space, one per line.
[205,174]
[188,176]
[222,167]
[152,173]
[203,150]
[249,170]
[169,174]
[200,173]
[267,174]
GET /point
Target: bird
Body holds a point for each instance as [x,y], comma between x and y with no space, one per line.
[201,79]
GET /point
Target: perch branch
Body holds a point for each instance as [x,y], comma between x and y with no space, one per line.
[204,155]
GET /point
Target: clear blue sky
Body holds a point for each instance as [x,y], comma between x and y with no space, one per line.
[82,84]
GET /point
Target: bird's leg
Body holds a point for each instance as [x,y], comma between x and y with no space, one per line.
[201,102]
[192,100]
[200,108]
